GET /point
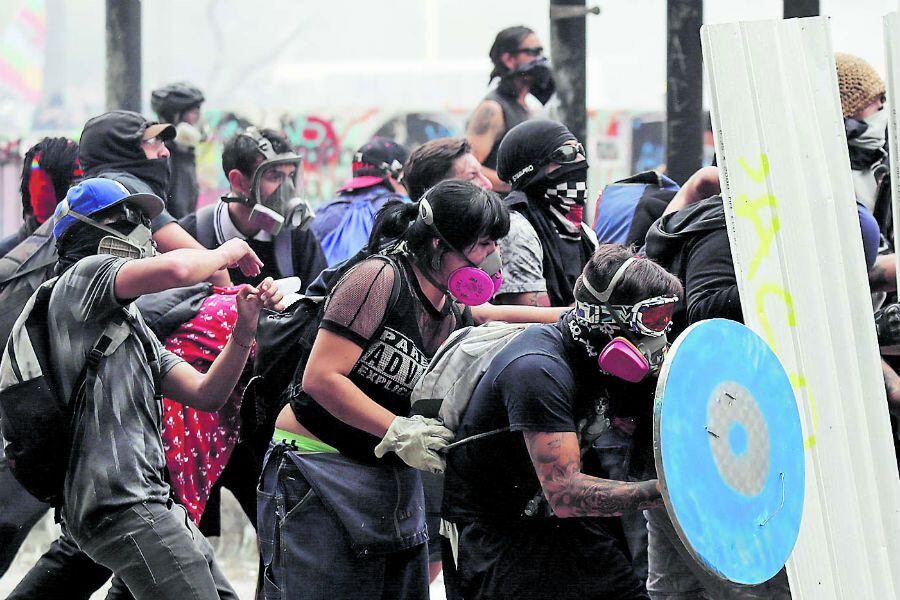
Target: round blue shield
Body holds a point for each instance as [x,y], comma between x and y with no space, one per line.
[729,451]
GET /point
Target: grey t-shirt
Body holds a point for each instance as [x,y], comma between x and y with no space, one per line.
[117,453]
[523,258]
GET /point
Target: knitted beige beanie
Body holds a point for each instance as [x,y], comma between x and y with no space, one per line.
[858,83]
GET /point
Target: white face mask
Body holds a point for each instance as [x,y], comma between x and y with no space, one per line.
[875,134]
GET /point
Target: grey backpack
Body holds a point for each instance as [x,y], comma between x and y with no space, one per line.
[443,392]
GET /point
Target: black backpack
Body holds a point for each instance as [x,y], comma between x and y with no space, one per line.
[36,420]
[284,341]
[22,271]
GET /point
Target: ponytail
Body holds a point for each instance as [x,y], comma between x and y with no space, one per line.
[391,224]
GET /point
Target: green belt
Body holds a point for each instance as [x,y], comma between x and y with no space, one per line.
[301,443]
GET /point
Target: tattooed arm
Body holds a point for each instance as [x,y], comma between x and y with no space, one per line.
[571,493]
[485,128]
[883,274]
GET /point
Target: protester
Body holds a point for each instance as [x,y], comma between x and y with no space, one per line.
[263,207]
[521,68]
[452,158]
[546,167]
[124,146]
[440,159]
[862,93]
[116,505]
[48,169]
[343,225]
[179,104]
[343,443]
[523,505]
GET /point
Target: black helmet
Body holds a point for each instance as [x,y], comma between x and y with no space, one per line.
[170,101]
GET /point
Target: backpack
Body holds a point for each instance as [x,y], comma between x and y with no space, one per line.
[284,241]
[36,420]
[627,208]
[22,270]
[284,342]
[352,232]
[443,392]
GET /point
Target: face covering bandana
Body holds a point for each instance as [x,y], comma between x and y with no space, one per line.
[473,285]
[541,84]
[284,208]
[565,193]
[640,351]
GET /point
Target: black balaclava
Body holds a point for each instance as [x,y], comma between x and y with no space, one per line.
[112,142]
[82,241]
[521,156]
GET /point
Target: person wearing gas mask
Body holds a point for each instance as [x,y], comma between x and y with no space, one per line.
[522,69]
[116,506]
[123,145]
[547,167]
[179,104]
[343,446]
[263,207]
[524,521]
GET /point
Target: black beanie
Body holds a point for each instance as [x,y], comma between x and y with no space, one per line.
[529,143]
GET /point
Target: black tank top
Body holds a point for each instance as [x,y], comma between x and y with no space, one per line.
[391,363]
[513,114]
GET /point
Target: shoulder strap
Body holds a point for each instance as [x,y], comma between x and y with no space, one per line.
[206,231]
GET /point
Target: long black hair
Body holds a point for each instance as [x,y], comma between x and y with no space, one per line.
[507,40]
[463,214]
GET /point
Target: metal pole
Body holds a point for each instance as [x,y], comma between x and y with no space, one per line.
[123,55]
[568,49]
[801,8]
[684,89]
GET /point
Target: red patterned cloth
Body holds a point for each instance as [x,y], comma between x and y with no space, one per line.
[198,444]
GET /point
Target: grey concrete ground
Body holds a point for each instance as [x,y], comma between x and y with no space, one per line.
[235,549]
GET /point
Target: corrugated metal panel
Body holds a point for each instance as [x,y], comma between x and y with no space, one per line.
[801,273]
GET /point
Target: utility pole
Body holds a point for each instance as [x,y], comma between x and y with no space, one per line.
[684,89]
[800,8]
[568,46]
[123,55]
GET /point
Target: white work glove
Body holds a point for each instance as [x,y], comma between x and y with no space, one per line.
[417,441]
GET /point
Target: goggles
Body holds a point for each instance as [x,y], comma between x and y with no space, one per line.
[565,154]
[651,317]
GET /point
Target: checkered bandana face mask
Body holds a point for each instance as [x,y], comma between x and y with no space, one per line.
[566,201]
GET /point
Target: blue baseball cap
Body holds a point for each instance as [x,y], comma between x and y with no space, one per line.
[94,195]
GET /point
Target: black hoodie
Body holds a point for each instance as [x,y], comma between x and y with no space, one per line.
[693,244]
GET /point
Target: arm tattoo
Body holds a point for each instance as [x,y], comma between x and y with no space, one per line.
[571,493]
[484,120]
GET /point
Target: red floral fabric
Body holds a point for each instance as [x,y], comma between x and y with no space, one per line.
[198,444]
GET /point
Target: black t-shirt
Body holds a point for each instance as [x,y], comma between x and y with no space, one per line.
[530,386]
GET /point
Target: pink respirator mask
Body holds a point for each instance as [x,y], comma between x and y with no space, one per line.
[473,285]
[625,357]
